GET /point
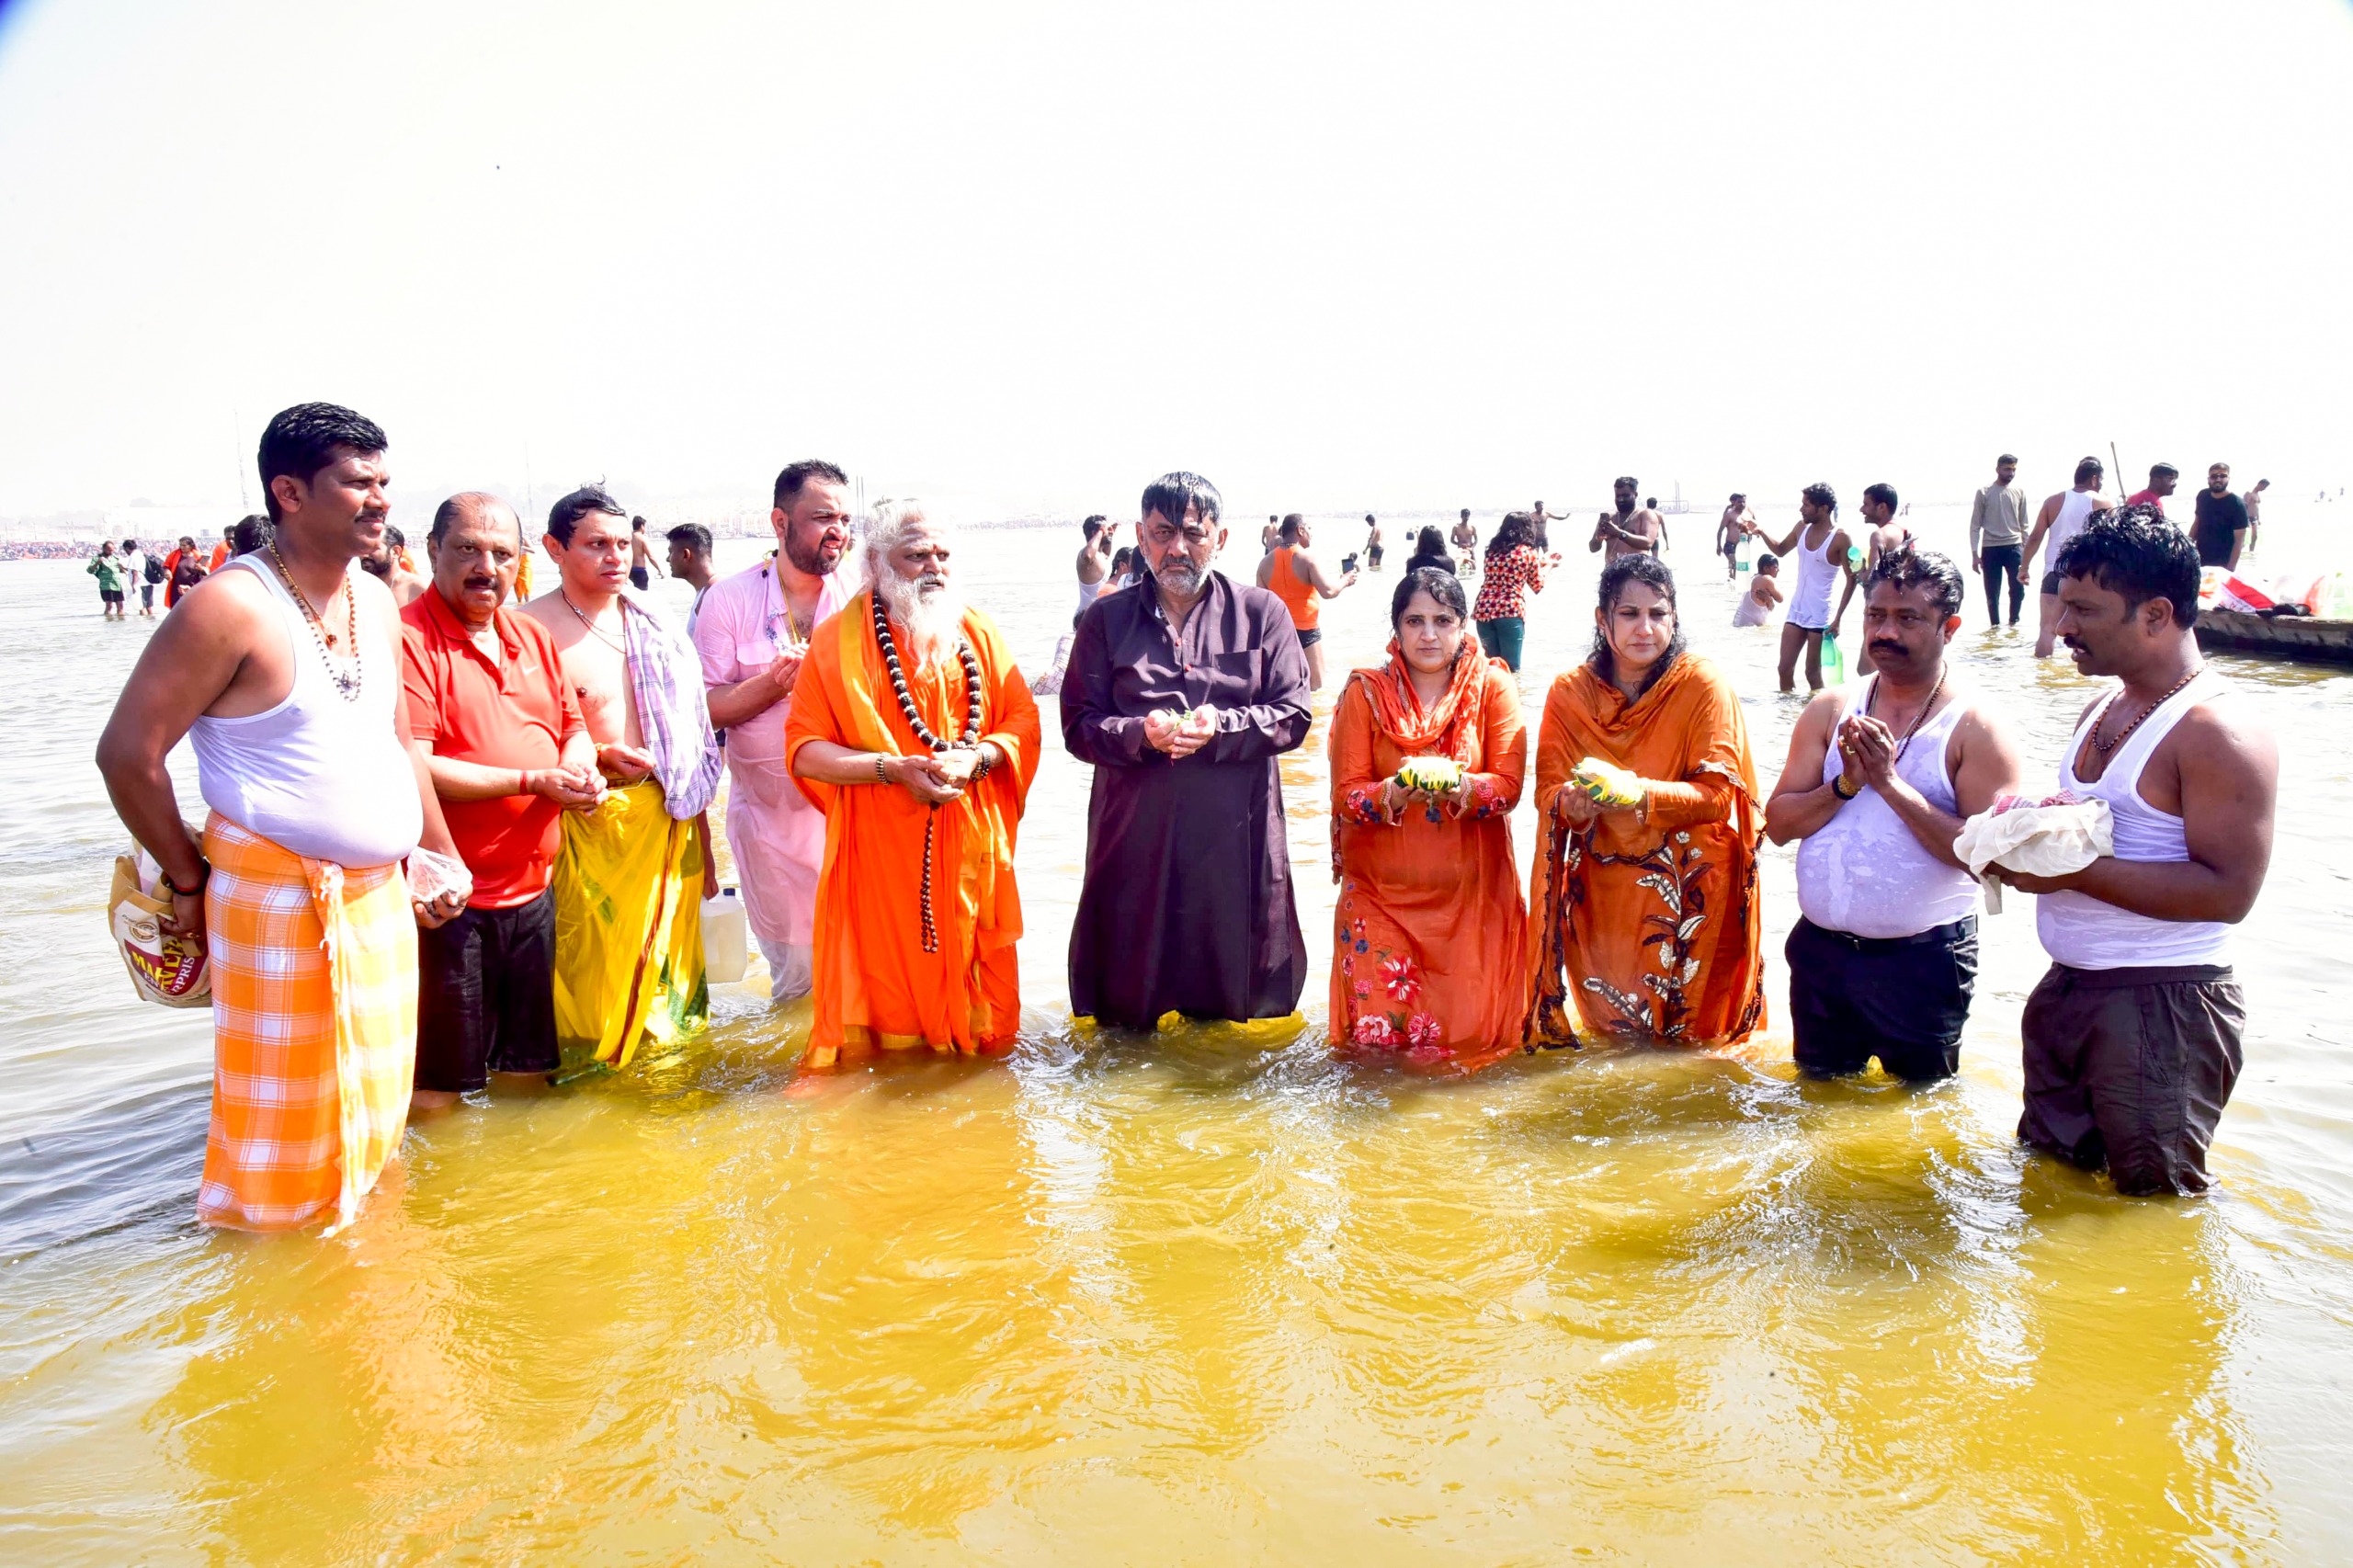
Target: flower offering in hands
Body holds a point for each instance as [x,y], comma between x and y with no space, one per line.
[1430,774]
[1606,784]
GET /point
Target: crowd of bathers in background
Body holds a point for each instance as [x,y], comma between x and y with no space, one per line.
[543,769]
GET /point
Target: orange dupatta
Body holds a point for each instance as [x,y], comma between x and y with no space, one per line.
[1648,929]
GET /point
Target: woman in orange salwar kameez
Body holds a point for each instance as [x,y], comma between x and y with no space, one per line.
[1643,923]
[1430,931]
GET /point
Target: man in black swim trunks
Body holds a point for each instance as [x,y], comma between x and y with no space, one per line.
[640,556]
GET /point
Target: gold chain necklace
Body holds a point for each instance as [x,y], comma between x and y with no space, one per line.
[2104,747]
[346,682]
[601,634]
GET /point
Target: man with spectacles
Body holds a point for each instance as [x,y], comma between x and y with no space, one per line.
[1182,691]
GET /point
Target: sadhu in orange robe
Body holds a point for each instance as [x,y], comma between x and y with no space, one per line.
[1647,930]
[877,986]
[1430,930]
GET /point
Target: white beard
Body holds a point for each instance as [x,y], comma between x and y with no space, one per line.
[930,622]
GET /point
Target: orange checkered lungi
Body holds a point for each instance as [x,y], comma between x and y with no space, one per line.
[313,1031]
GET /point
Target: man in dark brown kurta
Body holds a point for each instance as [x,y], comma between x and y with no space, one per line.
[1182,691]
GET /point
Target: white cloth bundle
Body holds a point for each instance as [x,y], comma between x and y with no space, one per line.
[2047,839]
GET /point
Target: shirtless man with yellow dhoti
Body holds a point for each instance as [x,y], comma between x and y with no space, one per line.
[628,885]
[284,670]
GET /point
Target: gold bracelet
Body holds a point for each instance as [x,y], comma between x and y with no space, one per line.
[1839,788]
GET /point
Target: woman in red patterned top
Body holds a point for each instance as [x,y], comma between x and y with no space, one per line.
[1428,752]
[1514,569]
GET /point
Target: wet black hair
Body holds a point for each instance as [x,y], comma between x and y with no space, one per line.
[1510,534]
[1288,527]
[795,475]
[1093,526]
[1906,567]
[1820,495]
[1883,493]
[1639,566]
[1429,541]
[1768,559]
[565,515]
[1173,494]
[2007,457]
[303,440]
[2133,551]
[250,532]
[1436,581]
[693,535]
[2090,468]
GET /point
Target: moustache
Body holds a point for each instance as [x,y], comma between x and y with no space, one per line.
[1896,648]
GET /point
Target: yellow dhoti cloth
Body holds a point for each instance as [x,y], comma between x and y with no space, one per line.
[314,1031]
[628,927]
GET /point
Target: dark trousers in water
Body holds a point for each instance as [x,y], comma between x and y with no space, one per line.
[1903,999]
[2131,1068]
[2001,559]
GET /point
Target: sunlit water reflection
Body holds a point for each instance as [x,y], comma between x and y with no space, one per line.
[1210,1296]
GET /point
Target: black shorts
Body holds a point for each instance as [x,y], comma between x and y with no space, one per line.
[485,996]
[2130,1069]
[111,595]
[1903,999]
[1312,636]
[639,579]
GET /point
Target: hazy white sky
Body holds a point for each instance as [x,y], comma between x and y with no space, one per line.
[1334,257]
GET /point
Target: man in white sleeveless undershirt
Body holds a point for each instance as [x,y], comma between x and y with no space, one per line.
[1881,777]
[283,669]
[2133,1039]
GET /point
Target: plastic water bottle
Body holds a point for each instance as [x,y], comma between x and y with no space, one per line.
[1834,663]
[726,938]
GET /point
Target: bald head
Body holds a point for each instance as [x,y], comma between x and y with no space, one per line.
[473,506]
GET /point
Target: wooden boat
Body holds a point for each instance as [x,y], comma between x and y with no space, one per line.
[2276,636]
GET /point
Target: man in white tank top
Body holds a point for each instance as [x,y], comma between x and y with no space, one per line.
[2062,518]
[2133,1039]
[1818,548]
[284,669]
[1883,959]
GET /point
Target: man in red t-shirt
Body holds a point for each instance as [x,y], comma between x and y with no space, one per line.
[2162,479]
[511,754]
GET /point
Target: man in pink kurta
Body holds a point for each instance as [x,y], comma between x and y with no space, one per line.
[751,632]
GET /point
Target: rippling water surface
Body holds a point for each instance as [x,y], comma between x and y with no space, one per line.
[1210,1297]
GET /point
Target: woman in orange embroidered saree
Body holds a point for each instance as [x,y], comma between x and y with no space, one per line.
[1430,931]
[1643,922]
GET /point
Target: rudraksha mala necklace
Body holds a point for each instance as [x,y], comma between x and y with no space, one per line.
[923,736]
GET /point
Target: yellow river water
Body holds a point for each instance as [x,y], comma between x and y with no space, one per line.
[1204,1297]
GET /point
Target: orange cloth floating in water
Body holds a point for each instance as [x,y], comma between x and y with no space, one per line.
[1429,936]
[875,986]
[314,1031]
[1649,929]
